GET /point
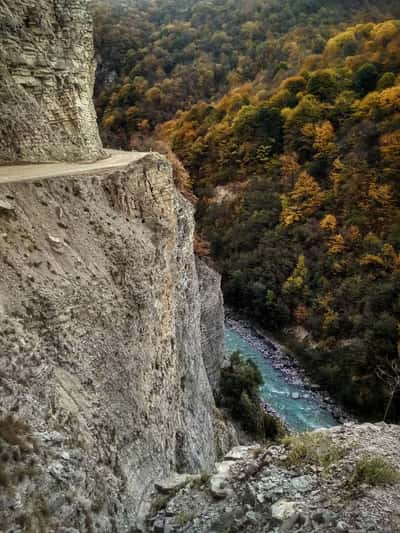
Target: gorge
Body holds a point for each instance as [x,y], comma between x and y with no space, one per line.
[300,408]
[112,336]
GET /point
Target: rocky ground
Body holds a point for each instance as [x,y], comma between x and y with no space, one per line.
[315,482]
[282,361]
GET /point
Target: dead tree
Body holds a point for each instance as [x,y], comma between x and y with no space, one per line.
[390,375]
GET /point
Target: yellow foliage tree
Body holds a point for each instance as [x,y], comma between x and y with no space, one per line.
[372,260]
[385,31]
[324,301]
[386,101]
[336,244]
[328,223]
[336,175]
[153,95]
[381,194]
[324,138]
[297,279]
[290,168]
[330,318]
[337,43]
[390,148]
[303,201]
[390,257]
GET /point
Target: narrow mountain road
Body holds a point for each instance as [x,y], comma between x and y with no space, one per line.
[116,159]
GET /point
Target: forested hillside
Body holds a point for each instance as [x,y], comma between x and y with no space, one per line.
[299,195]
[293,145]
[159,56]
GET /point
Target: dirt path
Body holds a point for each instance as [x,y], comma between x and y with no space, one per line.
[117,159]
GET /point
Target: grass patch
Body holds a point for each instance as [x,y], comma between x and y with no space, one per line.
[375,471]
[260,450]
[184,517]
[312,449]
[201,480]
[160,502]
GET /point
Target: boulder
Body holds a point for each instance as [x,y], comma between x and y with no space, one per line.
[302,483]
[55,242]
[219,487]
[238,452]
[283,509]
[219,482]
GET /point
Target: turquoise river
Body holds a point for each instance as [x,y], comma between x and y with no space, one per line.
[300,414]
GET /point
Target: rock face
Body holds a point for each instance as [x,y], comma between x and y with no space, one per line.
[212,315]
[46,81]
[312,484]
[101,353]
[103,331]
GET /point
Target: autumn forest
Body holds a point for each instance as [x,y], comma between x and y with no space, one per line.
[282,118]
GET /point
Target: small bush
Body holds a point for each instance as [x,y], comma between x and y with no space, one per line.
[375,471]
[239,392]
[200,245]
[160,502]
[25,471]
[184,517]
[312,449]
[202,480]
[257,452]
[40,515]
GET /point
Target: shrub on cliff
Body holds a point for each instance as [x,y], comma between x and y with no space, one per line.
[375,471]
[239,393]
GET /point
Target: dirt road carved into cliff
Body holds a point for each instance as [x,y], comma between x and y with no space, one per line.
[116,159]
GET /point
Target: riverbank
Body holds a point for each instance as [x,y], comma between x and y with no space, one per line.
[284,363]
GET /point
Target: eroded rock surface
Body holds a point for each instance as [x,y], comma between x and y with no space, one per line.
[46,81]
[212,314]
[101,348]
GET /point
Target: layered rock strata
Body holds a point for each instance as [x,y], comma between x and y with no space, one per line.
[46,81]
[102,378]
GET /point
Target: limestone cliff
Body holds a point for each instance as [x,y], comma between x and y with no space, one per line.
[103,330]
[46,81]
[212,315]
[100,327]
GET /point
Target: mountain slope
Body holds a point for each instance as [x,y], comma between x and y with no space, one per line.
[299,197]
[158,57]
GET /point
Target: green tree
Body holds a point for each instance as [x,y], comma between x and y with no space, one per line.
[366,78]
[239,392]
